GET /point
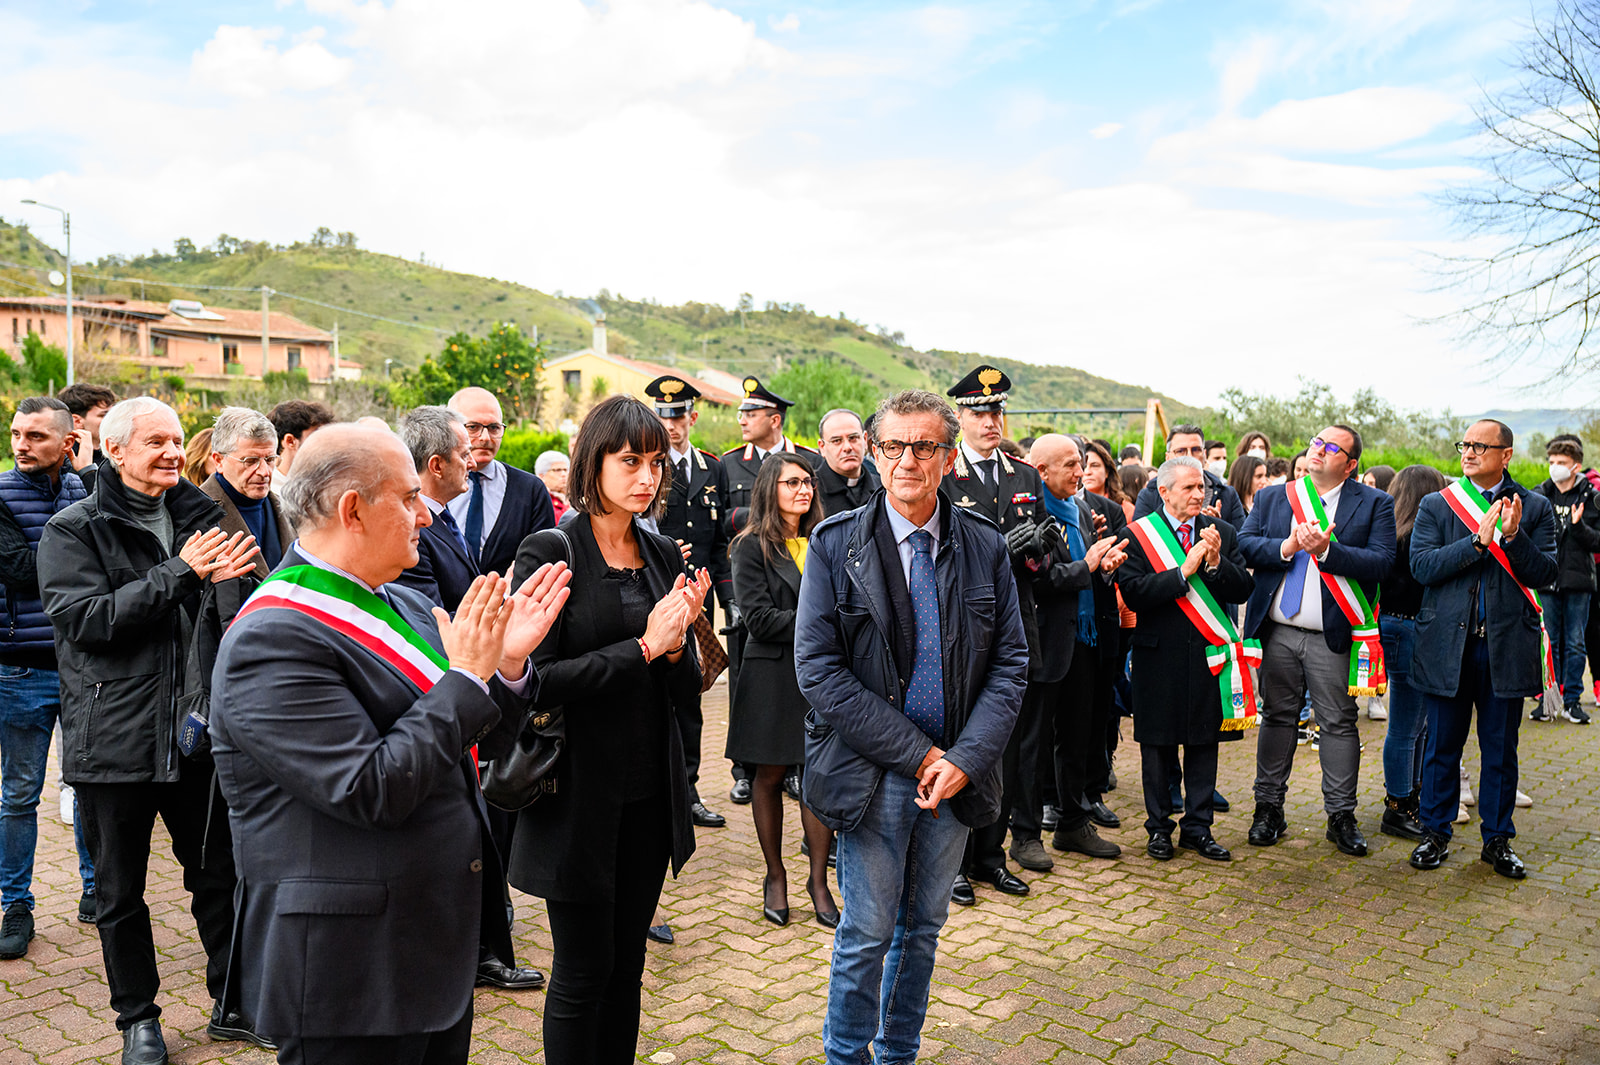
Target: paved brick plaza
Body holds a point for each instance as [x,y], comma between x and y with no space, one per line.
[1291,954]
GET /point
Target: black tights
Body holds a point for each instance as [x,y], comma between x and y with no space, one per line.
[766,805]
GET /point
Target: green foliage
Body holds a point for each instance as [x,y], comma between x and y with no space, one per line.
[521,447]
[505,362]
[716,430]
[817,387]
[296,381]
[1290,422]
[43,365]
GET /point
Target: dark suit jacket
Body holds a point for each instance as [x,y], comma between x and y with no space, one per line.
[1363,551]
[742,465]
[1218,491]
[1055,595]
[233,522]
[367,875]
[839,496]
[1176,698]
[695,514]
[1449,568]
[526,509]
[565,844]
[1017,500]
[443,571]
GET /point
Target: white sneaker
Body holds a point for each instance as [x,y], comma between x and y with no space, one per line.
[68,804]
[1524,800]
[1466,795]
[1462,817]
[1376,711]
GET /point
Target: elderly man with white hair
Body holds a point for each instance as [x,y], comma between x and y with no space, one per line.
[244,446]
[122,574]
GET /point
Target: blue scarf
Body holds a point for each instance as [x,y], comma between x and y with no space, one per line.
[1066,512]
[260,519]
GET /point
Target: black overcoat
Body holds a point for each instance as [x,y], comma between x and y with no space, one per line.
[766,713]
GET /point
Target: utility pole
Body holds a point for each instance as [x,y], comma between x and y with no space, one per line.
[265,346]
[333,371]
[66,227]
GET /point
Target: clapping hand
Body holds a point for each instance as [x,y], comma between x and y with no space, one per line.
[1214,510]
[532,610]
[238,558]
[1211,539]
[1314,539]
[212,551]
[1111,555]
[1511,517]
[1195,558]
[671,617]
[474,640]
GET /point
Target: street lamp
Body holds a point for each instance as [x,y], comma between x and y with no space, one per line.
[66,226]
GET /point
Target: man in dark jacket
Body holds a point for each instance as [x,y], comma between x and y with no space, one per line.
[1566,601]
[121,575]
[1221,501]
[437,440]
[909,649]
[845,479]
[40,486]
[1477,549]
[244,446]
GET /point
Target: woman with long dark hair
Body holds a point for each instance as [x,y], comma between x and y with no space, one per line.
[597,848]
[766,712]
[1100,476]
[1397,614]
[1247,476]
[1256,443]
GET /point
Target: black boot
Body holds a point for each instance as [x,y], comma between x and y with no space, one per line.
[1400,818]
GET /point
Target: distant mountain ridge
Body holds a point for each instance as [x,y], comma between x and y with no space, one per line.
[1541,421]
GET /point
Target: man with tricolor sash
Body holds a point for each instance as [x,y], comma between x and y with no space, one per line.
[1192,674]
[1479,549]
[1319,546]
[344,709]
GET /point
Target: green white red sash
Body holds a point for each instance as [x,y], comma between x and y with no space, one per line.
[1470,506]
[350,610]
[1229,657]
[1367,673]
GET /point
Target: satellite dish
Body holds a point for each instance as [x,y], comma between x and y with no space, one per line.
[57,277]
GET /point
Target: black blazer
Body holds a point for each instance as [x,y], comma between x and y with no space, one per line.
[1055,595]
[768,593]
[741,465]
[1176,699]
[367,874]
[1018,499]
[694,514]
[526,509]
[838,496]
[443,571]
[565,844]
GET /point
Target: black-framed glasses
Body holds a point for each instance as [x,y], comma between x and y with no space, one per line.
[922,449]
[1477,447]
[795,483]
[1327,447]
[492,428]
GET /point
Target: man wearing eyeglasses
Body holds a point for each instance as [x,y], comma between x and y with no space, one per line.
[1306,638]
[1221,501]
[244,445]
[1477,549]
[844,478]
[503,505]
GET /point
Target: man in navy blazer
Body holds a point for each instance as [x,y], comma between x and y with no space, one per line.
[1478,642]
[502,504]
[437,440]
[1305,638]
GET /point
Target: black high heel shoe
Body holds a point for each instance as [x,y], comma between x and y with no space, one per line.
[778,915]
[827,918]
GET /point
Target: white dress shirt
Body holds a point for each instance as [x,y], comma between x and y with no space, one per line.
[494,495]
[902,528]
[1310,615]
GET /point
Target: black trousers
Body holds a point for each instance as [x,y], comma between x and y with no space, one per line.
[1020,784]
[448,1047]
[1079,744]
[691,723]
[1199,787]
[117,823]
[591,1012]
[1110,654]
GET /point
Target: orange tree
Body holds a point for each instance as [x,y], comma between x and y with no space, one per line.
[505,362]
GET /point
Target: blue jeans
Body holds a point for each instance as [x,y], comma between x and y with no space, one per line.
[1408,717]
[1449,720]
[30,701]
[895,871]
[1566,615]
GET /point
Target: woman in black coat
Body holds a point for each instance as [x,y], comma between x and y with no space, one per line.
[597,849]
[767,713]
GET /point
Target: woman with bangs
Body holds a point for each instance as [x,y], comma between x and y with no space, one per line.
[598,847]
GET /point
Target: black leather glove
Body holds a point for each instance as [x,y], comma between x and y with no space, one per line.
[1025,542]
[735,619]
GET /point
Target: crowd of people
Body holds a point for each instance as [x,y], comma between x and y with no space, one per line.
[309,647]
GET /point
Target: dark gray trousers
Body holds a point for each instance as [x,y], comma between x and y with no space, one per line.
[1293,662]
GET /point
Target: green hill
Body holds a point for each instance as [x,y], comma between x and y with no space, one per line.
[392,308]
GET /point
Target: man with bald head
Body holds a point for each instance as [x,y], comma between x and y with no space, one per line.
[502,504]
[344,708]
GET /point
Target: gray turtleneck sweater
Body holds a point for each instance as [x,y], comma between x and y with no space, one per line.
[151,513]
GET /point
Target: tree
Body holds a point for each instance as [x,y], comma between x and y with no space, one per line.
[322,238]
[819,386]
[504,362]
[184,248]
[44,366]
[1535,290]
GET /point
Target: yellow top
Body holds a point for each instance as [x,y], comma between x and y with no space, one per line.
[797,551]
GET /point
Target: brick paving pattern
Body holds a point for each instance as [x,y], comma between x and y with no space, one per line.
[1292,954]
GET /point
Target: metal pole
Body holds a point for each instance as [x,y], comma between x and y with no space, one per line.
[66,224]
[265,366]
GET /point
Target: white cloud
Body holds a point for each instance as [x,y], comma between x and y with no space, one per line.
[790,23]
[243,61]
[1105,130]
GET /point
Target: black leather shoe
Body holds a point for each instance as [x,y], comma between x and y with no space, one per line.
[86,908]
[828,918]
[1498,853]
[704,818]
[1104,816]
[1084,840]
[1268,825]
[234,1025]
[1345,834]
[142,1044]
[1206,847]
[1400,819]
[1002,879]
[1160,847]
[1431,852]
[492,972]
[961,892]
[791,786]
[740,792]
[661,933]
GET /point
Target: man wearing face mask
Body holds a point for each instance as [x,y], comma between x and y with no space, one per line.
[1566,601]
[1217,458]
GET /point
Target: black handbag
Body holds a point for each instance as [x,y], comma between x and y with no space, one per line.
[527,771]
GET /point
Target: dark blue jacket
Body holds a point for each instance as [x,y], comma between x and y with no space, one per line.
[32,502]
[853,655]
[526,509]
[1363,551]
[443,571]
[1219,493]
[1449,568]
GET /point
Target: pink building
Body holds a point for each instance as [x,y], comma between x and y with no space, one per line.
[205,344]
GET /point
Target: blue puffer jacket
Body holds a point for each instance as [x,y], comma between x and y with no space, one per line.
[32,502]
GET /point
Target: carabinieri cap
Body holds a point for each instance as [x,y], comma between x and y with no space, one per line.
[757,397]
[984,389]
[673,395]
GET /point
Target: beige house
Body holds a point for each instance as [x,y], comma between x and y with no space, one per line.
[577,373]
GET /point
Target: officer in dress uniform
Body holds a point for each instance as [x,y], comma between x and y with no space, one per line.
[693,517]
[761,417]
[1006,491]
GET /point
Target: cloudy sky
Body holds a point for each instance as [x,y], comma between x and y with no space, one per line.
[1192,195]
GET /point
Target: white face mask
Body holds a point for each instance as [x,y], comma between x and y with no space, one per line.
[1560,472]
[1258,452]
[1219,467]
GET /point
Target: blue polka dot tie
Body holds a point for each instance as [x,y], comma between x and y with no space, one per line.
[925,696]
